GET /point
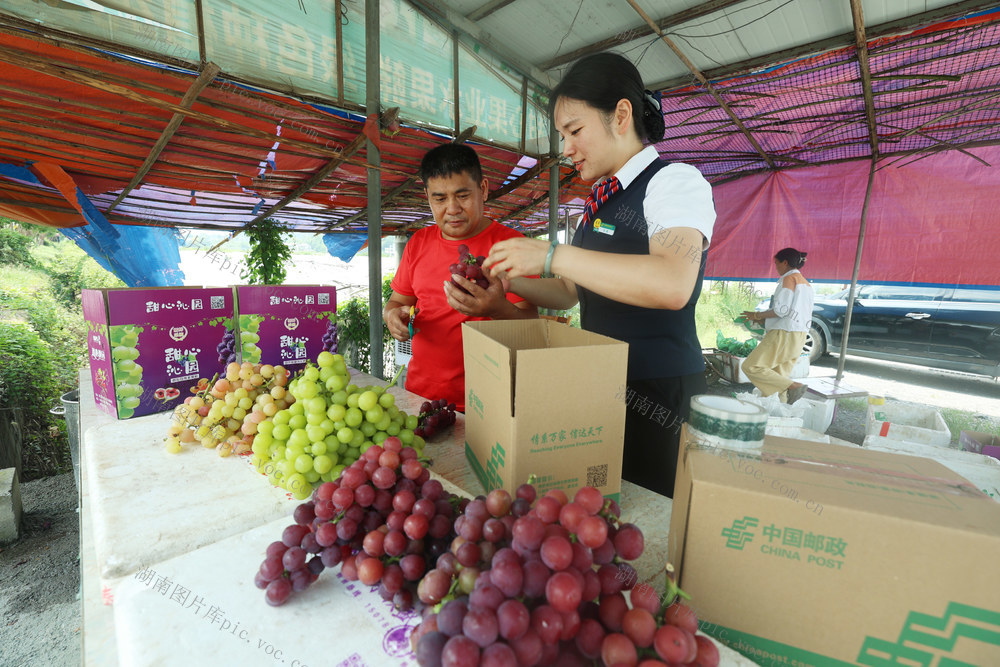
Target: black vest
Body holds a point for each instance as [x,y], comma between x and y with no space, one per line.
[661,343]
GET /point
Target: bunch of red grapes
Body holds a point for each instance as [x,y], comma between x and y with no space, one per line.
[381,521]
[500,581]
[541,583]
[469,266]
[434,416]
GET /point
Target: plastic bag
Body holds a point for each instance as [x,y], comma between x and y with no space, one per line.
[733,346]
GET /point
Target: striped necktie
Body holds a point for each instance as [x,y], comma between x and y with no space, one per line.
[599,195]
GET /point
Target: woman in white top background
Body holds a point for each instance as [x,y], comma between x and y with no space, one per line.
[786,324]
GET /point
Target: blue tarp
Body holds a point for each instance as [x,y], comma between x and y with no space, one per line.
[344,246]
[139,256]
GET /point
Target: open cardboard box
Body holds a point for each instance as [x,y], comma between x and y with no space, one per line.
[980,442]
[812,554]
[544,399]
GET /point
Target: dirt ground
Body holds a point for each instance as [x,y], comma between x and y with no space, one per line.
[40,579]
[39,574]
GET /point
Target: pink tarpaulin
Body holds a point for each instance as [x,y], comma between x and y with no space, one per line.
[930,220]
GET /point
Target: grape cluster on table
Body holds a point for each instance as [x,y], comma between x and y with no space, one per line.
[434,416]
[469,266]
[499,580]
[225,413]
[381,521]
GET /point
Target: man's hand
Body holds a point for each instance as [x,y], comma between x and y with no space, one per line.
[398,321]
[479,302]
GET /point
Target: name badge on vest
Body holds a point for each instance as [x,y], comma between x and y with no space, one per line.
[603,227]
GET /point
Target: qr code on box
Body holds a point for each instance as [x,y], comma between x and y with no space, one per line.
[323,298]
[217,302]
[597,475]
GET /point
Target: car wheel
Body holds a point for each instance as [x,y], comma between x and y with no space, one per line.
[815,344]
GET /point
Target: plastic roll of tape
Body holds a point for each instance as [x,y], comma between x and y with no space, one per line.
[722,421]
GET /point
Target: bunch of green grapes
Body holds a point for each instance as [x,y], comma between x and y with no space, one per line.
[225,415]
[249,337]
[329,426]
[127,373]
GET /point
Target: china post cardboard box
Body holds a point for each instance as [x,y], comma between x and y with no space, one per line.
[813,554]
[284,324]
[544,399]
[148,347]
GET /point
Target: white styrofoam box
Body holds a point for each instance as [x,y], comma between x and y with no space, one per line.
[801,368]
[797,432]
[982,471]
[736,373]
[776,422]
[818,414]
[909,423]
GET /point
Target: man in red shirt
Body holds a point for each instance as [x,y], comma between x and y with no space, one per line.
[456,190]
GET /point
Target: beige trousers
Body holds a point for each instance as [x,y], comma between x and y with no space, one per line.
[770,364]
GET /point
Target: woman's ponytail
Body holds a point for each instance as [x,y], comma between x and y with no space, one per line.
[795,258]
[652,116]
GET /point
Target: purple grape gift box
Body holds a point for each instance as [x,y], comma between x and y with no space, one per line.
[284,324]
[148,347]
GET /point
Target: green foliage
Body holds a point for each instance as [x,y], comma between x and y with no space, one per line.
[720,303]
[72,270]
[353,329]
[43,338]
[15,248]
[27,295]
[265,262]
[960,420]
[28,381]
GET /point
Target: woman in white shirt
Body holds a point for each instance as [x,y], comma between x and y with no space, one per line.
[786,324]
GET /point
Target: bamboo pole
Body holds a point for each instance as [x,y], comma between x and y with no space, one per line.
[207,75]
[705,82]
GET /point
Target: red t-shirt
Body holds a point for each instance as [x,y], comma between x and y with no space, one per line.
[437,369]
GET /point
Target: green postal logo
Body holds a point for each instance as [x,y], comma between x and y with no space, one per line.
[476,404]
[494,466]
[788,542]
[927,640]
[737,536]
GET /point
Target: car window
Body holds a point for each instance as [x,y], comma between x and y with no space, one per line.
[976,295]
[904,293]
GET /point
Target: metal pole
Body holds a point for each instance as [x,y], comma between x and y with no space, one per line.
[553,187]
[553,195]
[372,99]
[854,276]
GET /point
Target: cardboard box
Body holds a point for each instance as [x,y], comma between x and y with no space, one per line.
[813,554]
[544,399]
[986,444]
[148,347]
[284,324]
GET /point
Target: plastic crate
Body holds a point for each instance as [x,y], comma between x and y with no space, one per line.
[908,423]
